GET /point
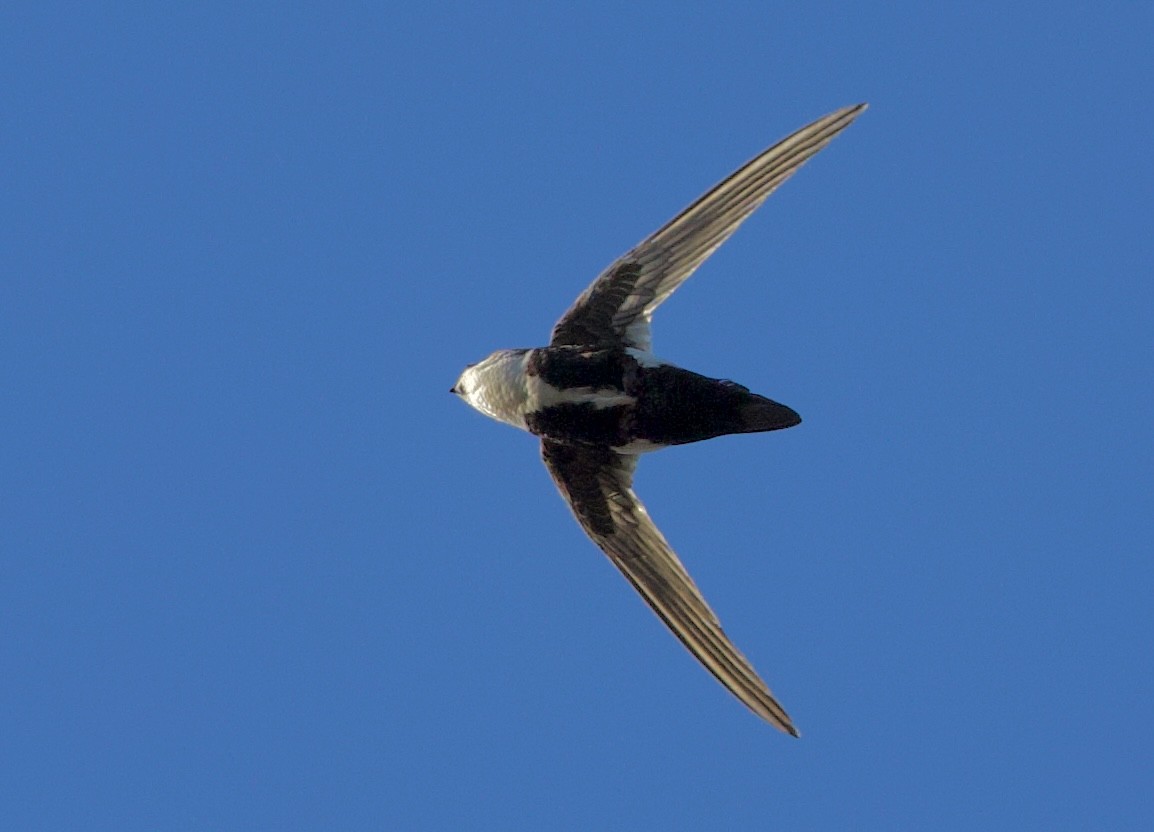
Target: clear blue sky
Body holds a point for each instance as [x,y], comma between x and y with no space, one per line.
[260,570]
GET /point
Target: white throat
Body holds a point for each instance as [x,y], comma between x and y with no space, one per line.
[496,387]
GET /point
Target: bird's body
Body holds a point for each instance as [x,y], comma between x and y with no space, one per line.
[621,398]
[598,398]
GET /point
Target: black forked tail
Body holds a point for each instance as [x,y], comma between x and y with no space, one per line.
[678,406]
[760,413]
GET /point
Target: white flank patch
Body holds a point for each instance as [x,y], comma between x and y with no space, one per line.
[638,332]
[645,359]
[639,446]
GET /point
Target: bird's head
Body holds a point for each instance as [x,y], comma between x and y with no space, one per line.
[496,386]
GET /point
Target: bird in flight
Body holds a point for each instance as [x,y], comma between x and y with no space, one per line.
[598,398]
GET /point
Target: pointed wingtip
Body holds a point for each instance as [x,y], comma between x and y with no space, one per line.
[854,110]
[778,718]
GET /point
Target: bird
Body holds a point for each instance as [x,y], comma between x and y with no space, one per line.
[598,398]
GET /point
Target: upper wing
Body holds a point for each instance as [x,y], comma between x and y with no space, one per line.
[616,308]
[596,482]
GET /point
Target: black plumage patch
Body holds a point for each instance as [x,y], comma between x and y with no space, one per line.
[584,423]
[566,368]
[670,406]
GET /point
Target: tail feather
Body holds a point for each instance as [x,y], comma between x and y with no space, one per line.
[676,406]
[760,414]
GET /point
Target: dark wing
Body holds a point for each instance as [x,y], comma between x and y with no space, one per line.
[597,482]
[616,308]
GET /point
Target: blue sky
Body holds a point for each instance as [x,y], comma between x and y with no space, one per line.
[260,570]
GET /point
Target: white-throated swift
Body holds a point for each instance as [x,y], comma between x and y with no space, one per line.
[598,398]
